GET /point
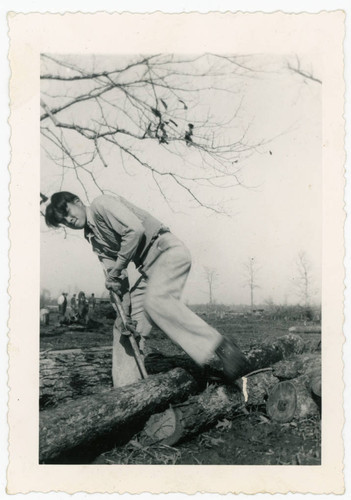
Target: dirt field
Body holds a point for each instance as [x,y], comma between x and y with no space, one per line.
[249,439]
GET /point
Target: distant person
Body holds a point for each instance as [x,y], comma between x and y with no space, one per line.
[92,301]
[62,305]
[82,307]
[74,307]
[119,233]
[74,303]
[44,316]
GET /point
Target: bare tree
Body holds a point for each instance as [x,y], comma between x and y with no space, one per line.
[154,111]
[250,275]
[303,279]
[211,277]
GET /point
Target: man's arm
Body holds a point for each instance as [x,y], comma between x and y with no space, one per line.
[125,223]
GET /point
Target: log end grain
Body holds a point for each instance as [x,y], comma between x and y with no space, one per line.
[282,402]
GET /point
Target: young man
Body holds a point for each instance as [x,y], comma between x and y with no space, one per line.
[119,233]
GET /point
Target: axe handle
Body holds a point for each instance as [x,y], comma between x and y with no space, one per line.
[133,342]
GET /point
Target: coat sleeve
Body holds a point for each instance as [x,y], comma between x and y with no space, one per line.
[124,223]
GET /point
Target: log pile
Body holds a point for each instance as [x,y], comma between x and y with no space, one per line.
[72,373]
[204,410]
[287,387]
[107,412]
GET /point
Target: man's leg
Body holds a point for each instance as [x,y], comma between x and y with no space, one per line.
[167,275]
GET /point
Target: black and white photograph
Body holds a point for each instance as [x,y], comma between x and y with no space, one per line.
[196,182]
[187,276]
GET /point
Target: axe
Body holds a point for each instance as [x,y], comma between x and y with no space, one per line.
[119,308]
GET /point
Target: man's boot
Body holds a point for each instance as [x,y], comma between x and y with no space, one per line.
[234,362]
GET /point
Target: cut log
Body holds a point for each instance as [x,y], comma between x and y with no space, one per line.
[282,402]
[297,365]
[306,329]
[306,406]
[260,356]
[204,410]
[164,427]
[87,419]
[304,372]
[316,385]
[72,373]
[270,352]
[292,399]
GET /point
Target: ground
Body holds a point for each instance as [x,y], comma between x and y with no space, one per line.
[251,438]
[247,440]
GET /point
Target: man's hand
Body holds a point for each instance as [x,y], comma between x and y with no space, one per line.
[117,281]
[115,284]
[131,327]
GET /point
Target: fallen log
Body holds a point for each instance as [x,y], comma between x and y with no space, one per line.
[89,418]
[313,344]
[316,385]
[306,329]
[202,411]
[71,373]
[269,352]
[260,356]
[297,365]
[307,406]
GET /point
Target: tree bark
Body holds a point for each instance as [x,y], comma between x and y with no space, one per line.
[92,417]
[306,406]
[270,352]
[292,368]
[72,373]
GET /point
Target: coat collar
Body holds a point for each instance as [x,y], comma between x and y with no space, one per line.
[90,224]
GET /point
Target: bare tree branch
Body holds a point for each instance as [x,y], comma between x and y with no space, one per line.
[133,105]
[297,69]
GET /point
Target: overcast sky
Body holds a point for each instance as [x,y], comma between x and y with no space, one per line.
[273,219]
